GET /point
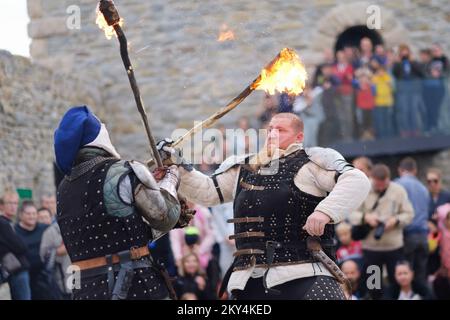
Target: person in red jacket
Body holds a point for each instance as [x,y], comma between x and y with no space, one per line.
[343,71]
[349,248]
[365,102]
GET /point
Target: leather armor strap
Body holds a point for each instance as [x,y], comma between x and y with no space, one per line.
[134,253]
[250,187]
[219,192]
[247,251]
[270,251]
[137,264]
[246,220]
[247,234]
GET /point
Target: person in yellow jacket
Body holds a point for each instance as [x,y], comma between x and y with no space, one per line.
[384,100]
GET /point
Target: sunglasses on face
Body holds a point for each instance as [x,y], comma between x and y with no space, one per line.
[430,181]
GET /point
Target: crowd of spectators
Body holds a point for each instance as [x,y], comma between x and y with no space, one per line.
[371,92]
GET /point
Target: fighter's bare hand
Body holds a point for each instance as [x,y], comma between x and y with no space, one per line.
[315,224]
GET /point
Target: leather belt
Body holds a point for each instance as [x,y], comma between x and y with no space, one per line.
[248,251]
[247,234]
[248,186]
[138,264]
[135,254]
[246,220]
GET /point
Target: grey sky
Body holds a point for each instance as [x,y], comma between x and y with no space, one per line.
[13,27]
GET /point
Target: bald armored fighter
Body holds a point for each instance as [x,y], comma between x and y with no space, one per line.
[282,196]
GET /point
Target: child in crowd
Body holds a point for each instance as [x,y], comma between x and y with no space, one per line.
[365,102]
[348,249]
[384,100]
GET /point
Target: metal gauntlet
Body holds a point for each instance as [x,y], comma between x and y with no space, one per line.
[171,181]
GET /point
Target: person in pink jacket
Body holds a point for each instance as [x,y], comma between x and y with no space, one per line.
[199,234]
[443,218]
[441,283]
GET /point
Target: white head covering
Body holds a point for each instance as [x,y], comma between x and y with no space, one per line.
[103,141]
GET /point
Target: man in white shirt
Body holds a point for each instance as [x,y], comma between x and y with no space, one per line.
[281,196]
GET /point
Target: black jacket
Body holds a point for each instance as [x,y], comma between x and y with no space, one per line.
[399,72]
[187,284]
[11,242]
[393,291]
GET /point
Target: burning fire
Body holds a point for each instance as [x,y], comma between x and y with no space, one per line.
[102,24]
[285,74]
[226,34]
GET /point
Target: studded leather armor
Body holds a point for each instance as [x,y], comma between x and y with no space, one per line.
[269,210]
[90,230]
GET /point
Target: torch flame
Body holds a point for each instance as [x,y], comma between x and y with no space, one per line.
[225,34]
[285,74]
[102,24]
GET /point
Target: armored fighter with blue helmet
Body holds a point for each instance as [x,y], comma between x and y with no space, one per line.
[109,209]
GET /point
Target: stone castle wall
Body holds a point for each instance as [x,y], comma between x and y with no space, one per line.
[183,72]
[32,100]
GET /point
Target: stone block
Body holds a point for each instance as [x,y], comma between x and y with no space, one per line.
[47,27]
[35,9]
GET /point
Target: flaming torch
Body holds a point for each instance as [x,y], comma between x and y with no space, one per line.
[109,20]
[285,73]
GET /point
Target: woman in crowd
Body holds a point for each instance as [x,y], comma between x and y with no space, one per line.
[405,288]
[192,282]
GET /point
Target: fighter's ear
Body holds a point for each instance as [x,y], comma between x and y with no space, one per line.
[300,136]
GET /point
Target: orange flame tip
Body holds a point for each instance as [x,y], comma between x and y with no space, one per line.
[285,74]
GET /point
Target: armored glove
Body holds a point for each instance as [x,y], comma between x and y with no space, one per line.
[169,180]
[166,151]
[171,155]
[169,177]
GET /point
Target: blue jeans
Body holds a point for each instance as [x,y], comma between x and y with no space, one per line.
[311,128]
[345,117]
[383,122]
[19,284]
[433,95]
[416,252]
[409,106]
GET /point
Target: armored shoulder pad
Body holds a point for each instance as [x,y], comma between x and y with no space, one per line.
[328,159]
[143,174]
[117,190]
[116,171]
[231,162]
